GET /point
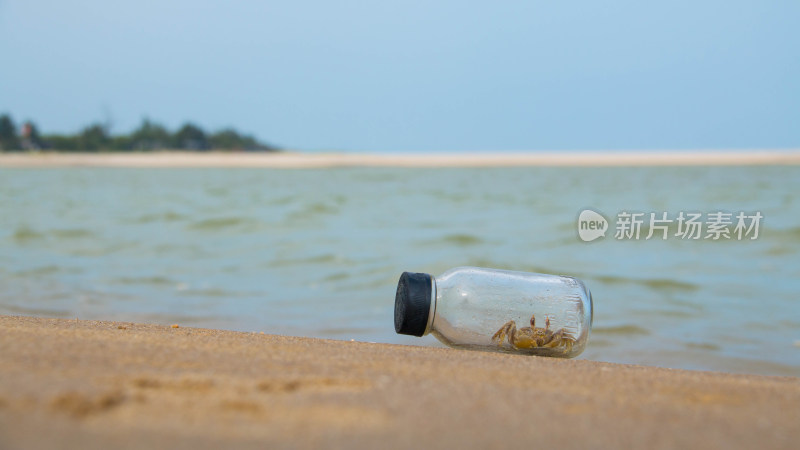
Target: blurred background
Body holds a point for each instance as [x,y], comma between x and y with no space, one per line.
[411,75]
[317,252]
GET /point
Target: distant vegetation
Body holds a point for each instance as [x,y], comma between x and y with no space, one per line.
[148,136]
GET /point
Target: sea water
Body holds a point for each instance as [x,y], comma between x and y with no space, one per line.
[318,252]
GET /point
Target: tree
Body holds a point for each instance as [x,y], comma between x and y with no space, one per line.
[8,134]
[230,139]
[149,136]
[190,137]
[94,138]
[64,143]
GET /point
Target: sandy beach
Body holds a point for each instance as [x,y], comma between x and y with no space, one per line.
[91,384]
[323,160]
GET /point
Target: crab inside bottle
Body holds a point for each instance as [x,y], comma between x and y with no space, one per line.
[496,310]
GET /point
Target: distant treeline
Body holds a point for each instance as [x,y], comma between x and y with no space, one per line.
[149,136]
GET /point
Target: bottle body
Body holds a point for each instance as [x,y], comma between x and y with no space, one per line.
[506,311]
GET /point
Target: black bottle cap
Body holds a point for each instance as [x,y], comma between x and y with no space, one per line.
[412,303]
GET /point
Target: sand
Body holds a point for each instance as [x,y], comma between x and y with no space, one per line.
[322,160]
[90,384]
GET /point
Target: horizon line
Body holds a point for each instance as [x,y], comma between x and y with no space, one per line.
[300,160]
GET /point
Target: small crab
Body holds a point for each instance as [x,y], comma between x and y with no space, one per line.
[533,337]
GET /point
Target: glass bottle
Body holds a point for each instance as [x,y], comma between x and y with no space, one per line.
[496,310]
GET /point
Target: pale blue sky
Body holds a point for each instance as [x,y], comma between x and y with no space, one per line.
[415,75]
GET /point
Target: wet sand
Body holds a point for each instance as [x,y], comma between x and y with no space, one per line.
[90,384]
[322,160]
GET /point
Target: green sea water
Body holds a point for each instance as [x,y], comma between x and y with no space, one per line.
[318,252]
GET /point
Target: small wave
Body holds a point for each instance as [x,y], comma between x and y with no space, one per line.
[702,346]
[780,250]
[595,342]
[325,258]
[481,262]
[337,276]
[154,280]
[659,284]
[454,197]
[625,330]
[367,283]
[791,234]
[462,239]
[217,191]
[168,216]
[313,210]
[208,292]
[321,208]
[285,200]
[789,323]
[71,233]
[26,234]
[101,251]
[220,223]
[46,270]
[41,312]
[674,313]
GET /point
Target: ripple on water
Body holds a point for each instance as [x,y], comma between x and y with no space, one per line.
[338,276]
[313,210]
[703,346]
[791,234]
[207,292]
[482,262]
[222,223]
[462,239]
[456,239]
[72,233]
[780,250]
[148,280]
[620,330]
[25,234]
[325,258]
[168,216]
[280,201]
[30,311]
[46,270]
[658,284]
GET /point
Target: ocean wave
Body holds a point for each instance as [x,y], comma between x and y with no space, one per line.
[168,216]
[325,258]
[46,270]
[658,284]
[25,234]
[222,223]
[71,233]
[621,330]
[313,210]
[461,239]
[148,280]
[31,311]
[702,346]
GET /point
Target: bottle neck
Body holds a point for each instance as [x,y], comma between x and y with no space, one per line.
[432,311]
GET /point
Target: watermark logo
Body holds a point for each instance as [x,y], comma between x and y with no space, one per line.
[716,225]
[591,225]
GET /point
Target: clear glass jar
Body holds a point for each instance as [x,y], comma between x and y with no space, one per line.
[496,310]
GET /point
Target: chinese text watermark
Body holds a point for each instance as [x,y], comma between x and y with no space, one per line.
[716,225]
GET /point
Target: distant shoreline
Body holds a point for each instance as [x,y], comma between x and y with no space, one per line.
[432,160]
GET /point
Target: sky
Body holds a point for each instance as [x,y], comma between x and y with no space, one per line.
[414,76]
